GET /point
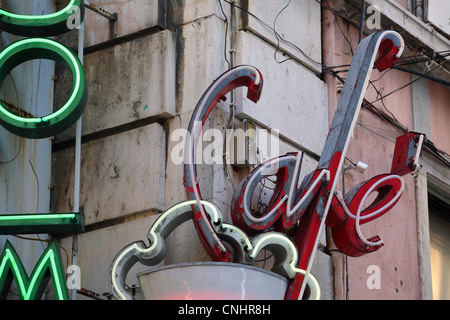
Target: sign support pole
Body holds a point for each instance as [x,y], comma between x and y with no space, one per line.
[76,201]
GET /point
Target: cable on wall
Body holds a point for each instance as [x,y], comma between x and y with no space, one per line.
[277,35]
[361,22]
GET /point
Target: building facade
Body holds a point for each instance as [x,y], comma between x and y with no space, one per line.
[148,63]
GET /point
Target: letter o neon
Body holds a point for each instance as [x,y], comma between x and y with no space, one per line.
[52,124]
[44,25]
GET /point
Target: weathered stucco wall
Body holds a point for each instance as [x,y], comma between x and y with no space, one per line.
[415,105]
[145,76]
[373,143]
[439,97]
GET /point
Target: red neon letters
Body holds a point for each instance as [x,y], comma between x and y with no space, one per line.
[302,212]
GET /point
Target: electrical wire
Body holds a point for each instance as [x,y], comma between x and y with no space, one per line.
[37,182]
[277,36]
[16,155]
[411,71]
[427,144]
[408,60]
[273,30]
[399,64]
[414,59]
[338,24]
[407,84]
[367,127]
[17,103]
[380,95]
[226,34]
[423,75]
[230,122]
[361,22]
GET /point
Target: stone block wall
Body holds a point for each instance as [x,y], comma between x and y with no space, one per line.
[146,73]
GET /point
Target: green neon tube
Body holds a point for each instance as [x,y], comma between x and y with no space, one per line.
[10,217]
[22,223]
[44,25]
[52,124]
[31,288]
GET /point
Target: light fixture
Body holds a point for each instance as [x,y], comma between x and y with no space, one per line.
[361,167]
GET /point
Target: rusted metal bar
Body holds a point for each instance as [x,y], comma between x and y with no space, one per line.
[91,294]
[113,17]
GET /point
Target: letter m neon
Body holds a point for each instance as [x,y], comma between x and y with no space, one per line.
[31,288]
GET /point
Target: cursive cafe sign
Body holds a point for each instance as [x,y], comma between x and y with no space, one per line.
[295,216]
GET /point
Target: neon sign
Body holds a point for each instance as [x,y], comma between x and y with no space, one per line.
[41,223]
[49,265]
[240,76]
[31,288]
[42,48]
[44,25]
[245,249]
[300,212]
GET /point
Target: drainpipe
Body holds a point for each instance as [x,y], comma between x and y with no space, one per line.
[418,8]
[328,51]
[328,59]
[113,17]
[76,197]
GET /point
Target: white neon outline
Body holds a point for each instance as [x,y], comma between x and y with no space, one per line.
[289,210]
[254,249]
[191,158]
[313,283]
[347,142]
[358,217]
[402,43]
[324,172]
[134,246]
[419,147]
[256,72]
[245,196]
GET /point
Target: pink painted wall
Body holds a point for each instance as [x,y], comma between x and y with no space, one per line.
[373,143]
[439,98]
[397,259]
[403,3]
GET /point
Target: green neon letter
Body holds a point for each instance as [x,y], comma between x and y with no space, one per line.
[52,124]
[31,288]
[43,25]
